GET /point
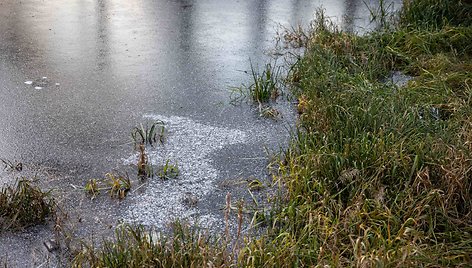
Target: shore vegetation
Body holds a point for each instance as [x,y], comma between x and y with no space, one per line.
[378,174]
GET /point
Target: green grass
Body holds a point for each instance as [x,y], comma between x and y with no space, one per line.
[434,14]
[376,174]
[24,205]
[265,85]
[168,171]
[138,247]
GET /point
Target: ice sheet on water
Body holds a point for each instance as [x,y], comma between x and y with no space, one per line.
[189,144]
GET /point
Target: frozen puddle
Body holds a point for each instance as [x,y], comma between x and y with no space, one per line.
[189,144]
[400,79]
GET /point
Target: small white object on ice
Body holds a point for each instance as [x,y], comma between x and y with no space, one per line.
[57,84]
[38,87]
[29,82]
[45,77]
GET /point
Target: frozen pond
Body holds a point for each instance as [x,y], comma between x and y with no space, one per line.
[107,63]
[76,76]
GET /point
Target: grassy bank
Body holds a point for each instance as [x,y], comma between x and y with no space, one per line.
[380,174]
[377,174]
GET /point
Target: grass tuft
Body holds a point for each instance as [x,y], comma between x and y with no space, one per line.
[23,206]
[168,171]
[265,85]
[134,246]
[119,185]
[144,168]
[149,134]
[91,187]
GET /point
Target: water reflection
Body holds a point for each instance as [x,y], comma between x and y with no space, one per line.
[102,36]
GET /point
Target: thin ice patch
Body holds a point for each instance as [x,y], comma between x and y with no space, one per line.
[189,144]
[400,79]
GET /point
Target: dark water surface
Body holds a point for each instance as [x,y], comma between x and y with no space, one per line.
[96,69]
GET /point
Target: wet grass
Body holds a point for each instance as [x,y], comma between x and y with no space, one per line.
[436,14]
[376,174]
[265,88]
[184,246]
[24,205]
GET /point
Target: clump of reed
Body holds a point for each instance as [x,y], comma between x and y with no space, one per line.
[92,187]
[119,185]
[24,205]
[144,168]
[143,136]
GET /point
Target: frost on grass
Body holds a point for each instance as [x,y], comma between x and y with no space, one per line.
[189,144]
